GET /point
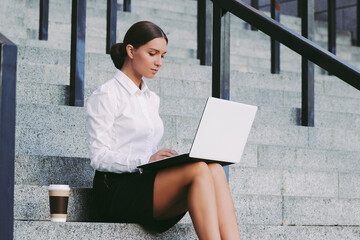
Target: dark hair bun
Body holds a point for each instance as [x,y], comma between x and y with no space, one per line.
[118,54]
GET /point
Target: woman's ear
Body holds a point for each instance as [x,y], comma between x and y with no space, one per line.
[130,51]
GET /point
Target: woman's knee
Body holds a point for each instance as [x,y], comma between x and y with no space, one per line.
[217,171]
[200,169]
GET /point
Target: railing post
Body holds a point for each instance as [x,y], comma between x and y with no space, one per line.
[332,26]
[44,20]
[111,24]
[127,6]
[307,74]
[8,62]
[77,61]
[254,4]
[299,6]
[204,32]
[221,56]
[358,22]
[275,45]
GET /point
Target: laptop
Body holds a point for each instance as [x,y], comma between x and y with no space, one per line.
[221,135]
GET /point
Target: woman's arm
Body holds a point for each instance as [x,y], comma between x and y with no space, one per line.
[102,108]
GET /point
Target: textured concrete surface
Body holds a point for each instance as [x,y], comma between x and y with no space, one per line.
[46,170]
[321,211]
[46,230]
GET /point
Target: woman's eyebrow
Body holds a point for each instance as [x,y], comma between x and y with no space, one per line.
[153,49]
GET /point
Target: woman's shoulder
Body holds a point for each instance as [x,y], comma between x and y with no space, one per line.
[109,88]
[109,96]
[107,92]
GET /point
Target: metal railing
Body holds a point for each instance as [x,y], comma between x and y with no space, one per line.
[8,63]
[332,26]
[111,19]
[78,28]
[44,20]
[275,45]
[77,53]
[300,44]
[331,13]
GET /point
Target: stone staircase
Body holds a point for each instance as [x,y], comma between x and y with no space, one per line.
[293,182]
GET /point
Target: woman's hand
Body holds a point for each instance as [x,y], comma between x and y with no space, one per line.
[163,153]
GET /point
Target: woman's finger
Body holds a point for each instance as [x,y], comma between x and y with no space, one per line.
[173,152]
[167,154]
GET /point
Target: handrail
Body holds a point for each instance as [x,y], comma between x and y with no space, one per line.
[303,46]
[294,41]
[8,63]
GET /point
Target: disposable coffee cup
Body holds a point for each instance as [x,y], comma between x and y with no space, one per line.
[59,198]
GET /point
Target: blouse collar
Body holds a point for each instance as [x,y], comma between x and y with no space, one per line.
[128,84]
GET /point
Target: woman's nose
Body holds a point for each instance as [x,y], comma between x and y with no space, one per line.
[158,61]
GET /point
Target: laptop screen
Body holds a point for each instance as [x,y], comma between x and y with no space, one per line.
[223,130]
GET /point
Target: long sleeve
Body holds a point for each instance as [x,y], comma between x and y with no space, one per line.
[101,110]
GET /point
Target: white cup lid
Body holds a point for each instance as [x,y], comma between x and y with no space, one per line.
[59,187]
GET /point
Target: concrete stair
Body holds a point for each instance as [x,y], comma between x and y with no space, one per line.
[293,182]
[128,231]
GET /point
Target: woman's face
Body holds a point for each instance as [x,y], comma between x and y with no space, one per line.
[147,59]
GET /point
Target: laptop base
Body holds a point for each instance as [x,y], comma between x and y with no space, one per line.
[177,160]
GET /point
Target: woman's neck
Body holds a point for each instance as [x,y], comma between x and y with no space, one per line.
[128,71]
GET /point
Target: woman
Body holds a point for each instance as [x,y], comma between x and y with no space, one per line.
[124,129]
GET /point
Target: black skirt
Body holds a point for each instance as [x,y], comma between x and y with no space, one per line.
[128,198]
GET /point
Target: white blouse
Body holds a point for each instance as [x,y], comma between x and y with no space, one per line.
[124,126]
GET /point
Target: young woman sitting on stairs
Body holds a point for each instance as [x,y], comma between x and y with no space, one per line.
[124,128]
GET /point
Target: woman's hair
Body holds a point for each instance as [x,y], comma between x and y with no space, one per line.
[138,34]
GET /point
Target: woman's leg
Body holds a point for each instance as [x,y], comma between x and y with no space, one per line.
[188,187]
[224,203]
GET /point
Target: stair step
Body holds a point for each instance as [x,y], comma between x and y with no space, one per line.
[66,117]
[59,94]
[103,62]
[45,170]
[48,230]
[267,209]
[259,180]
[70,143]
[258,232]
[183,75]
[273,210]
[285,157]
[112,231]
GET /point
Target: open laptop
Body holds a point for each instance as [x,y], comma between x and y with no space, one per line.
[221,135]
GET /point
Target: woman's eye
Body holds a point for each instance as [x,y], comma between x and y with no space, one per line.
[152,54]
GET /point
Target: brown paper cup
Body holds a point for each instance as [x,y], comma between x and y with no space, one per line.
[59,198]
